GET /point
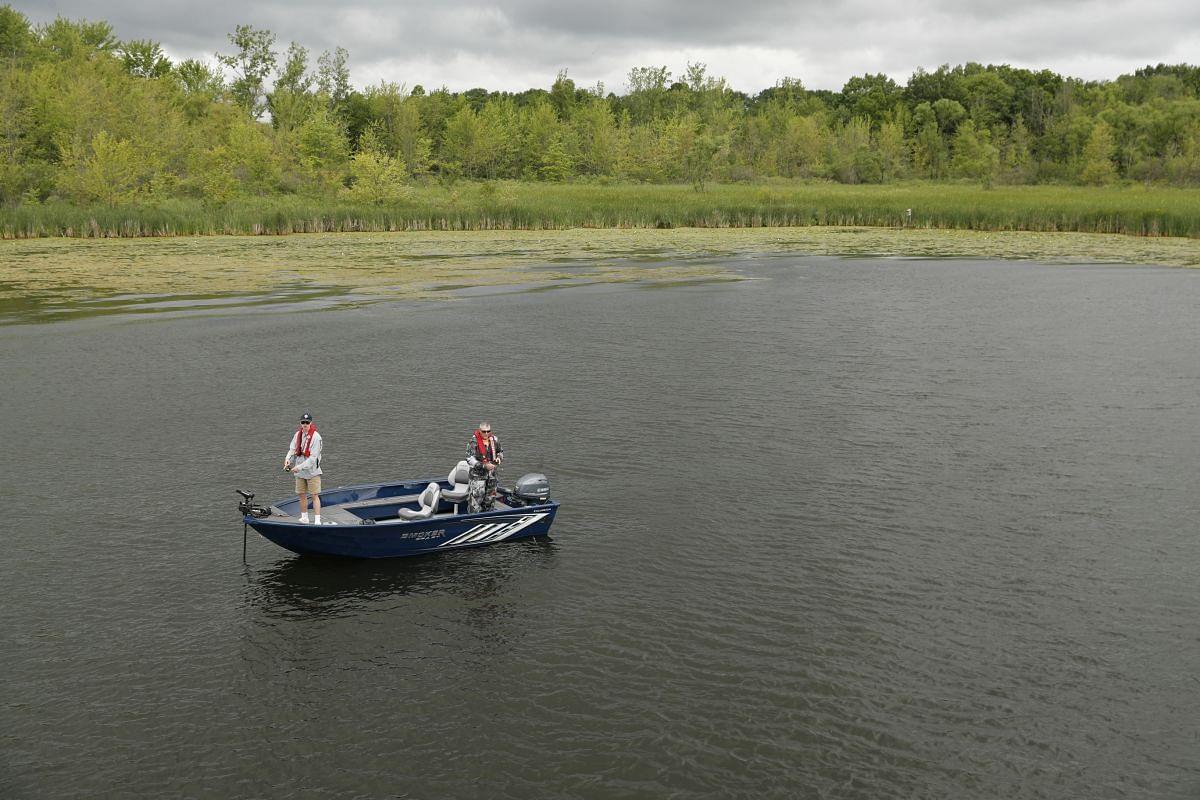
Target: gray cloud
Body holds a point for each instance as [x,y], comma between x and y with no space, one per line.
[523,43]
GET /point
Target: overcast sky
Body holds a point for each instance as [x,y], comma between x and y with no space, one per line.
[521,44]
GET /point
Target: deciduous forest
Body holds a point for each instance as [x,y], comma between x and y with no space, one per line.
[89,119]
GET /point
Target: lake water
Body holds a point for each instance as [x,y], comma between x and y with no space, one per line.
[845,528]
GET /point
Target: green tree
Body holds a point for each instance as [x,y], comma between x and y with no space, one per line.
[949,114]
[1061,145]
[459,142]
[413,147]
[16,35]
[563,96]
[974,155]
[251,158]
[496,146]
[18,169]
[323,150]
[640,154]
[850,156]
[242,162]
[989,99]
[376,176]
[930,154]
[1017,159]
[706,93]
[1184,168]
[107,170]
[67,39]
[540,131]
[251,64]
[293,75]
[1098,167]
[289,101]
[700,159]
[892,150]
[647,92]
[144,59]
[676,138]
[355,113]
[200,86]
[929,87]
[596,137]
[556,163]
[871,97]
[800,147]
[333,75]
[437,107]
[397,122]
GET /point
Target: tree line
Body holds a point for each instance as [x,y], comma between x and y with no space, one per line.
[89,118]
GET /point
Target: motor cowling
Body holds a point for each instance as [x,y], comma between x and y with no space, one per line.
[533,487]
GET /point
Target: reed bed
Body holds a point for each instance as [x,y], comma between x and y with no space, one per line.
[1131,210]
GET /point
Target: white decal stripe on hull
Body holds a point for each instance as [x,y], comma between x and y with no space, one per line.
[486,531]
[495,531]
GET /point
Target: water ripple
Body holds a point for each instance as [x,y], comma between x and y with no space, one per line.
[849,529]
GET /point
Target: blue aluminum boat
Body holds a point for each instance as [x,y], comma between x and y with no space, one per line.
[407,518]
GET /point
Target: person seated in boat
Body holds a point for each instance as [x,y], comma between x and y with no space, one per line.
[303,459]
[484,455]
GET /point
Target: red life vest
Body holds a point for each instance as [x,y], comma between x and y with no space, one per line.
[304,443]
[486,446]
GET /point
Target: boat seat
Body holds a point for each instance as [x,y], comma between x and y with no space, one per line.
[428,502]
[459,488]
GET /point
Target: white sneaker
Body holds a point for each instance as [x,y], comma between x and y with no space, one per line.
[304,519]
[317,519]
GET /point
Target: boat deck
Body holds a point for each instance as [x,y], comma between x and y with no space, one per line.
[341,515]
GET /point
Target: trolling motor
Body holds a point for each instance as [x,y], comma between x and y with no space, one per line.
[247,506]
[248,509]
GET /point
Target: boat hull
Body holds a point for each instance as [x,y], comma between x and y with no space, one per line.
[379,534]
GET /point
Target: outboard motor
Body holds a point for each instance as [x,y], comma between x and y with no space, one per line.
[532,489]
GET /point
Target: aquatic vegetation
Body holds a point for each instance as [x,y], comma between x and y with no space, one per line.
[60,278]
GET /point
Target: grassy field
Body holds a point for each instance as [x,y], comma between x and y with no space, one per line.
[59,278]
[1133,210]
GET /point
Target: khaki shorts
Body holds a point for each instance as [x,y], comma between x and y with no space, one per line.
[308,485]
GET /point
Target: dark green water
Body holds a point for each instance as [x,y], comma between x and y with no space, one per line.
[851,529]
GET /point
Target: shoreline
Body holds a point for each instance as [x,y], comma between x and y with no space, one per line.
[1134,210]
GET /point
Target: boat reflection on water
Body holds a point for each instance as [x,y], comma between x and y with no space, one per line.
[313,587]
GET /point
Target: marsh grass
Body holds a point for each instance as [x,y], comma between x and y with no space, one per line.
[1135,210]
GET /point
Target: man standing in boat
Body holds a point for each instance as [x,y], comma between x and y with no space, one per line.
[484,455]
[303,460]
